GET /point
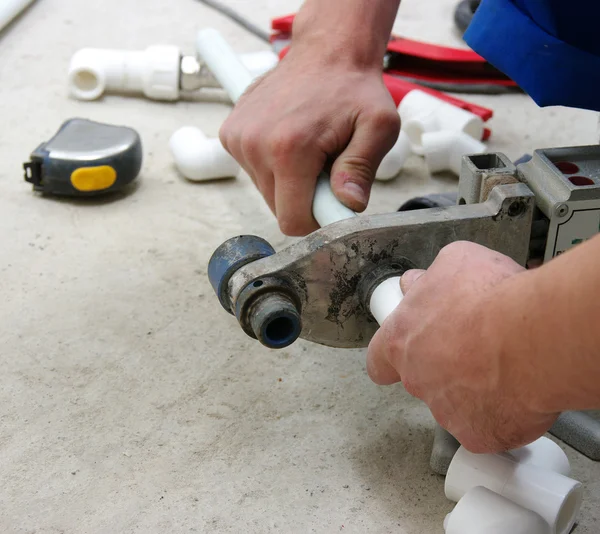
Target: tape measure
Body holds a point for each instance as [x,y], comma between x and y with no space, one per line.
[85,158]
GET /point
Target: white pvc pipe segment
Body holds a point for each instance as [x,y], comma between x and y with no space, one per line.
[9,9]
[554,497]
[482,511]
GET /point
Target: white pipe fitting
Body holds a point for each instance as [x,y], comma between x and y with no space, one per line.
[482,511]
[199,158]
[392,163]
[543,453]
[10,9]
[154,72]
[444,150]
[554,497]
[421,113]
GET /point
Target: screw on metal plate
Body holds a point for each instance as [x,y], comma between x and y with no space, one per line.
[562,210]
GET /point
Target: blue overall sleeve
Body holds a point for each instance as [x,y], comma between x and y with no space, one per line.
[551,48]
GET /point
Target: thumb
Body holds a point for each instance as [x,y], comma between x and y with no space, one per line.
[353,172]
[409,278]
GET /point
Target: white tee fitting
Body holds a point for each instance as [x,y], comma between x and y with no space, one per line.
[259,63]
[9,9]
[421,112]
[482,511]
[444,150]
[543,453]
[392,163]
[199,158]
[554,497]
[155,72]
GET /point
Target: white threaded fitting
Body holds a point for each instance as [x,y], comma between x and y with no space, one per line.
[421,113]
[199,158]
[444,150]
[392,163]
[154,72]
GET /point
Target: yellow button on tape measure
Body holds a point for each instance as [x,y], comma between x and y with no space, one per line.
[89,179]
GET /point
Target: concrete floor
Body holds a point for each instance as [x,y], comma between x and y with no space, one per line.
[130,401]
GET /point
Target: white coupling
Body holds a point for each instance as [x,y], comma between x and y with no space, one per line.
[482,511]
[199,158]
[444,150]
[554,497]
[421,112]
[393,162]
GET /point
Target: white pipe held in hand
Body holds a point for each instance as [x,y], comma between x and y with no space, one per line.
[155,72]
[543,453]
[386,297]
[392,163]
[200,159]
[482,511]
[556,498]
[444,150]
[9,9]
[223,62]
[421,113]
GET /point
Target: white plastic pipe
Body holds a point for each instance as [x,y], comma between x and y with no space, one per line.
[543,453]
[9,9]
[482,511]
[199,158]
[327,209]
[223,62]
[153,72]
[556,498]
[421,113]
[385,299]
[394,160]
[444,150]
[259,63]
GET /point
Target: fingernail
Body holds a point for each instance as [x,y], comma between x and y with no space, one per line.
[356,192]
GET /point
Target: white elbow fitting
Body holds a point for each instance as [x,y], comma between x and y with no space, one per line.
[199,158]
[155,72]
[444,150]
[543,453]
[392,163]
[482,511]
[554,497]
[421,113]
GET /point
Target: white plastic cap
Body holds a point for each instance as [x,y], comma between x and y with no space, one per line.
[444,150]
[482,511]
[200,159]
[154,72]
[394,160]
[426,113]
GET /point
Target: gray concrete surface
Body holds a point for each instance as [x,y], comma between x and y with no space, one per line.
[129,401]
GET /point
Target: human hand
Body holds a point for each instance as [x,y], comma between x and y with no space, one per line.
[310,111]
[443,343]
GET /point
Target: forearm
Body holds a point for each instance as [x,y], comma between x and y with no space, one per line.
[549,318]
[353,31]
